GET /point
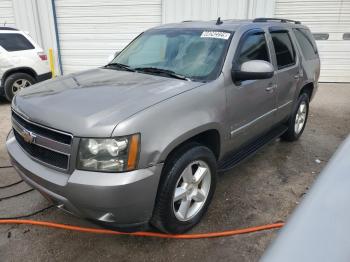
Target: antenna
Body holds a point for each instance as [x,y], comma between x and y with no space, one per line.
[219,22]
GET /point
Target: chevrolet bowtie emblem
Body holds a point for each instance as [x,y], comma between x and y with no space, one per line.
[28,136]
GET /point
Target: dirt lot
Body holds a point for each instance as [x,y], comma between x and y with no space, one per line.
[264,189]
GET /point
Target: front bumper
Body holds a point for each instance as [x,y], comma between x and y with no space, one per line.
[121,199]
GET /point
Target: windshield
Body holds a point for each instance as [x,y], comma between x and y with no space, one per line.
[195,54]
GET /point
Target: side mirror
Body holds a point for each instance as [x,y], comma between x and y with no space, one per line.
[254,69]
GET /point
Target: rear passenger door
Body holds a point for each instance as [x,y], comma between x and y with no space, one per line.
[286,62]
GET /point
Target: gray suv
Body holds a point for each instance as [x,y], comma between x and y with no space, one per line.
[140,141]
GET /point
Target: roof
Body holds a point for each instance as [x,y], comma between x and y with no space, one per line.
[231,24]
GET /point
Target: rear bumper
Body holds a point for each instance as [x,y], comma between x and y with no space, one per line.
[44,77]
[122,200]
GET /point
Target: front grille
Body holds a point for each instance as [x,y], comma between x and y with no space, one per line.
[45,155]
[54,135]
[43,144]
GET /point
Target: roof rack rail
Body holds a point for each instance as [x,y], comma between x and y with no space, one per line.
[282,20]
[8,28]
[190,21]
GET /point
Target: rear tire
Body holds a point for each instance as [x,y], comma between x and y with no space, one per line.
[297,122]
[15,83]
[186,189]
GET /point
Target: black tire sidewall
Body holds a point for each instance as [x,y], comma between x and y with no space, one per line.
[164,206]
[11,79]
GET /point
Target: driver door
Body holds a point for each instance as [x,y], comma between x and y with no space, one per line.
[251,103]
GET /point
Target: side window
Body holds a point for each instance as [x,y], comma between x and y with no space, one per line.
[307,48]
[14,42]
[253,47]
[285,53]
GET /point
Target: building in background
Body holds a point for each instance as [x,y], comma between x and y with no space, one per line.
[84,33]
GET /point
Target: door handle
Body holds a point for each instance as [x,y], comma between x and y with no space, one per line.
[271,87]
[296,77]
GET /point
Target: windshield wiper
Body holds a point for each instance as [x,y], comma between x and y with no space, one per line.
[155,70]
[121,66]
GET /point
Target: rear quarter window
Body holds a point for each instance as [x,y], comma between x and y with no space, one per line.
[14,42]
[306,43]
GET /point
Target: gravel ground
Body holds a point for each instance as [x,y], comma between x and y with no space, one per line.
[263,189]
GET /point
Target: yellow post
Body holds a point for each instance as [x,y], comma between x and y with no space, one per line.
[52,63]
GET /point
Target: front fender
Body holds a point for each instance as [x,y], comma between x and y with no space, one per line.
[166,125]
[186,136]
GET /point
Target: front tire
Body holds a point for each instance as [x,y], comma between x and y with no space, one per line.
[186,189]
[297,122]
[15,82]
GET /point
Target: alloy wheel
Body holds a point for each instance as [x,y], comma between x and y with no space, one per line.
[300,117]
[19,85]
[192,190]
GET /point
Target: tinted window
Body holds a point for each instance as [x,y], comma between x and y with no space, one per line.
[14,42]
[305,43]
[284,49]
[253,47]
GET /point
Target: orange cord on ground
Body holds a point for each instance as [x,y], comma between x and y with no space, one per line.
[141,234]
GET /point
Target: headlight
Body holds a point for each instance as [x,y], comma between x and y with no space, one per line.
[110,154]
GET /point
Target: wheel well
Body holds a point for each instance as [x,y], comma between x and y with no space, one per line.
[209,138]
[308,89]
[26,70]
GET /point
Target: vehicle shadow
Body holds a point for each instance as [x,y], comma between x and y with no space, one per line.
[3,101]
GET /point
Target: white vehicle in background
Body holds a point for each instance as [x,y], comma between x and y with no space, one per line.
[22,62]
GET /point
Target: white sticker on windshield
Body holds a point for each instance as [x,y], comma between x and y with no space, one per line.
[216,34]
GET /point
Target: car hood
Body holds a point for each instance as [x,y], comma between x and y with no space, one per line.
[93,102]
